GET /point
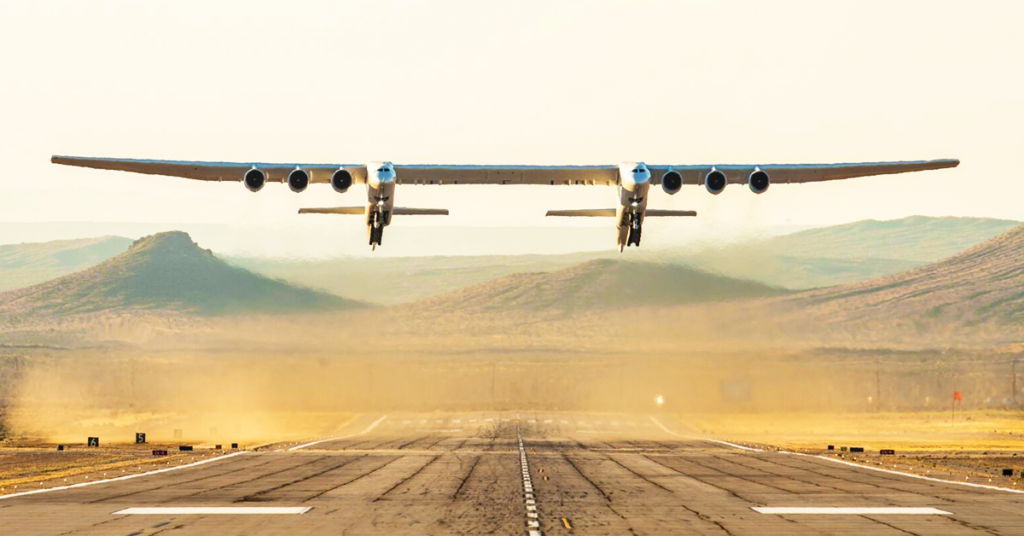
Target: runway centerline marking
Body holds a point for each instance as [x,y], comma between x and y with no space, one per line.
[532,517]
[216,510]
[122,478]
[364,432]
[841,510]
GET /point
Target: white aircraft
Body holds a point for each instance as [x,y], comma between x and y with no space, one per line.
[632,179]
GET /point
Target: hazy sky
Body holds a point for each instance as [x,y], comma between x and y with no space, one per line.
[573,82]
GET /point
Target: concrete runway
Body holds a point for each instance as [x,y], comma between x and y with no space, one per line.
[464,474]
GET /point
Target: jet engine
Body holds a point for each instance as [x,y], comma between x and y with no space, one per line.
[298,180]
[758,182]
[715,181]
[254,180]
[671,182]
[341,181]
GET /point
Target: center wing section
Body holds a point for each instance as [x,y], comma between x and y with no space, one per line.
[554,175]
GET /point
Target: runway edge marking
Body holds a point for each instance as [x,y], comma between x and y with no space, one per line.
[844,462]
[121,478]
[364,432]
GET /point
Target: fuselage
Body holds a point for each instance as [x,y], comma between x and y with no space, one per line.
[634,185]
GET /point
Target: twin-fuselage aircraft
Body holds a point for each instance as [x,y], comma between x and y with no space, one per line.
[633,180]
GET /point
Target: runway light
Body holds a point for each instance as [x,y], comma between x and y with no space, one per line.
[659,400]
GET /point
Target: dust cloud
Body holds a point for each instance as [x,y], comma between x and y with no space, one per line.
[271,378]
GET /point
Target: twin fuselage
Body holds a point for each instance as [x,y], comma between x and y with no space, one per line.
[634,185]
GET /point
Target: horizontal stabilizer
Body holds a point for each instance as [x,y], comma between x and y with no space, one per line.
[610,212]
[584,213]
[334,210]
[397,211]
[401,211]
[659,212]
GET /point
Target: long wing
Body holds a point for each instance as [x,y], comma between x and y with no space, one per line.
[473,174]
[801,173]
[212,171]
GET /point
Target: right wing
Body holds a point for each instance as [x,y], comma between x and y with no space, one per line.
[800,173]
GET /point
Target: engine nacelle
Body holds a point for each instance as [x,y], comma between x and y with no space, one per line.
[254,179]
[298,180]
[341,181]
[715,181]
[758,181]
[671,182]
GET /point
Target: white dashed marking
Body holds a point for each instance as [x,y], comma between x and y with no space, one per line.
[858,511]
[215,510]
[532,518]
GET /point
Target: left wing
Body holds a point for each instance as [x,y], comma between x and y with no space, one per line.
[212,171]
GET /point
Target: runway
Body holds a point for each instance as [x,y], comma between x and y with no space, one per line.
[466,474]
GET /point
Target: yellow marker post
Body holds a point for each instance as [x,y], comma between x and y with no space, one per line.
[566,523]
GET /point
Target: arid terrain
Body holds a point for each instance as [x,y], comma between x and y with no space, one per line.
[632,385]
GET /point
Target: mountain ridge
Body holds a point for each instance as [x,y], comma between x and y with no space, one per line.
[167,272]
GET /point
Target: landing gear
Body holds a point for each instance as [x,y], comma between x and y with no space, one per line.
[376,228]
[634,230]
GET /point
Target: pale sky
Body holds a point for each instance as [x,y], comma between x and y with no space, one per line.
[572,82]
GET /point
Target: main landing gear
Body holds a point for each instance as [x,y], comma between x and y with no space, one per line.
[634,230]
[376,228]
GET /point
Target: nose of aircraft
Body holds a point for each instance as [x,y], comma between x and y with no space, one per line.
[641,174]
[384,172]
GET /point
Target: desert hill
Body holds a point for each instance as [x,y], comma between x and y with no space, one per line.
[23,265]
[166,272]
[983,283]
[820,257]
[918,239]
[599,284]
